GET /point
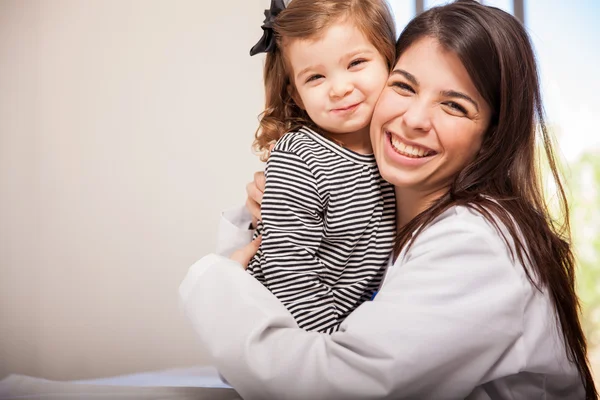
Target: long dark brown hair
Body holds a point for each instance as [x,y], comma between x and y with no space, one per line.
[307,19]
[497,53]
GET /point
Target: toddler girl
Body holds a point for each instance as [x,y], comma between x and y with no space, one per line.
[328,218]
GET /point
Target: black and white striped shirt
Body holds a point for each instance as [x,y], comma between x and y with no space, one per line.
[328,221]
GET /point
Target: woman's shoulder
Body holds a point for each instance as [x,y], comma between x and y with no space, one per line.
[461,218]
[469,229]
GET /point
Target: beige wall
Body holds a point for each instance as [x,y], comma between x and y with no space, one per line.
[125,127]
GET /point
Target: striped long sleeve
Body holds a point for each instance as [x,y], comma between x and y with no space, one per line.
[328,228]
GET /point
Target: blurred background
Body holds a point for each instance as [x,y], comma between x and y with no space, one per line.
[126,128]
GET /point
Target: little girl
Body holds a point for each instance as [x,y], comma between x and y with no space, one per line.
[328,218]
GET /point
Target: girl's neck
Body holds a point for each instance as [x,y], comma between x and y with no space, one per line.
[358,141]
[410,203]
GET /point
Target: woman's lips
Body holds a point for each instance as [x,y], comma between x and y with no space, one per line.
[411,150]
[403,158]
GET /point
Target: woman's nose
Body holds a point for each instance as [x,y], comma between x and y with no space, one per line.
[418,117]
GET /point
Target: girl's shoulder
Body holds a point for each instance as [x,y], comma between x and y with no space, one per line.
[313,147]
[295,142]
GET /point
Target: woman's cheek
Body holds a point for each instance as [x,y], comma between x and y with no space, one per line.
[390,106]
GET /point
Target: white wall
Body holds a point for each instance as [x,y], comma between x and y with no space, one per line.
[125,127]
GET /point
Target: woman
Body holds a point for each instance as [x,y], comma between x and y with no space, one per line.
[480,300]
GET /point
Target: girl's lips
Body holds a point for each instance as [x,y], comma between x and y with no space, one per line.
[346,109]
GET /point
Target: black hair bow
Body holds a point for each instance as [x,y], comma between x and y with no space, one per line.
[266,44]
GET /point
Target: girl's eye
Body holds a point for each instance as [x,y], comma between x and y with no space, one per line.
[403,86]
[314,78]
[456,107]
[357,62]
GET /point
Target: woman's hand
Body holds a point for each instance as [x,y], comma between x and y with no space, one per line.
[245,254]
[255,191]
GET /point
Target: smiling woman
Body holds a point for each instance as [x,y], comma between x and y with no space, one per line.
[428,125]
[480,300]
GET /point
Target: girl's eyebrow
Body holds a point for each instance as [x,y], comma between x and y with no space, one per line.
[446,93]
[360,50]
[305,70]
[350,54]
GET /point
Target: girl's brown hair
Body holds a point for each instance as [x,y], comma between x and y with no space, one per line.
[496,51]
[307,19]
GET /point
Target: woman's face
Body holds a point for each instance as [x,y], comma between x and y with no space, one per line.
[429,121]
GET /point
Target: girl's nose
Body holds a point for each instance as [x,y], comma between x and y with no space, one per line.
[340,87]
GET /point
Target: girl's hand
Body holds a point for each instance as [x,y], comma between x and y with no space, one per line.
[245,254]
[255,191]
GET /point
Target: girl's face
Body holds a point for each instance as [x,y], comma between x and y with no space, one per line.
[337,78]
[429,121]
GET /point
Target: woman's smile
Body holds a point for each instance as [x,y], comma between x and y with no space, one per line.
[409,149]
[408,155]
[424,130]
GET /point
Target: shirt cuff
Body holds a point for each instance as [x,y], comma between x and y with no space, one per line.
[233,232]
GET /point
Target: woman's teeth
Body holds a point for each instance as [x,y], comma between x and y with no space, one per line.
[409,151]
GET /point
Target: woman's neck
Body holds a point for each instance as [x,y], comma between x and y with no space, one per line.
[410,203]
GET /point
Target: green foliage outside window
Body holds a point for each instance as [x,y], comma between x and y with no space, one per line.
[585,214]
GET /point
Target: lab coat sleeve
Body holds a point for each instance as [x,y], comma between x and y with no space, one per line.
[446,321]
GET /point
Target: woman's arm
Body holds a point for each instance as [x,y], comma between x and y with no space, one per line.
[446,321]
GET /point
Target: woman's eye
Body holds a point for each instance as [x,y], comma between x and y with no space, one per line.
[403,86]
[456,107]
[357,62]
[314,78]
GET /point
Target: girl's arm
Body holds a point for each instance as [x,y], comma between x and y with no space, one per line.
[447,320]
[292,217]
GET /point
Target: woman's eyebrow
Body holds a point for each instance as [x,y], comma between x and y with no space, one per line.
[446,93]
[410,77]
[453,93]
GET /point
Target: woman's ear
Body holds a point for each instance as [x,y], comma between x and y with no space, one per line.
[295,96]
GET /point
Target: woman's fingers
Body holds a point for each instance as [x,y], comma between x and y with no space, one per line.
[245,254]
[255,190]
[260,182]
[254,210]
[253,201]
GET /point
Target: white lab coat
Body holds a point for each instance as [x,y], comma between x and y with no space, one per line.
[455,318]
